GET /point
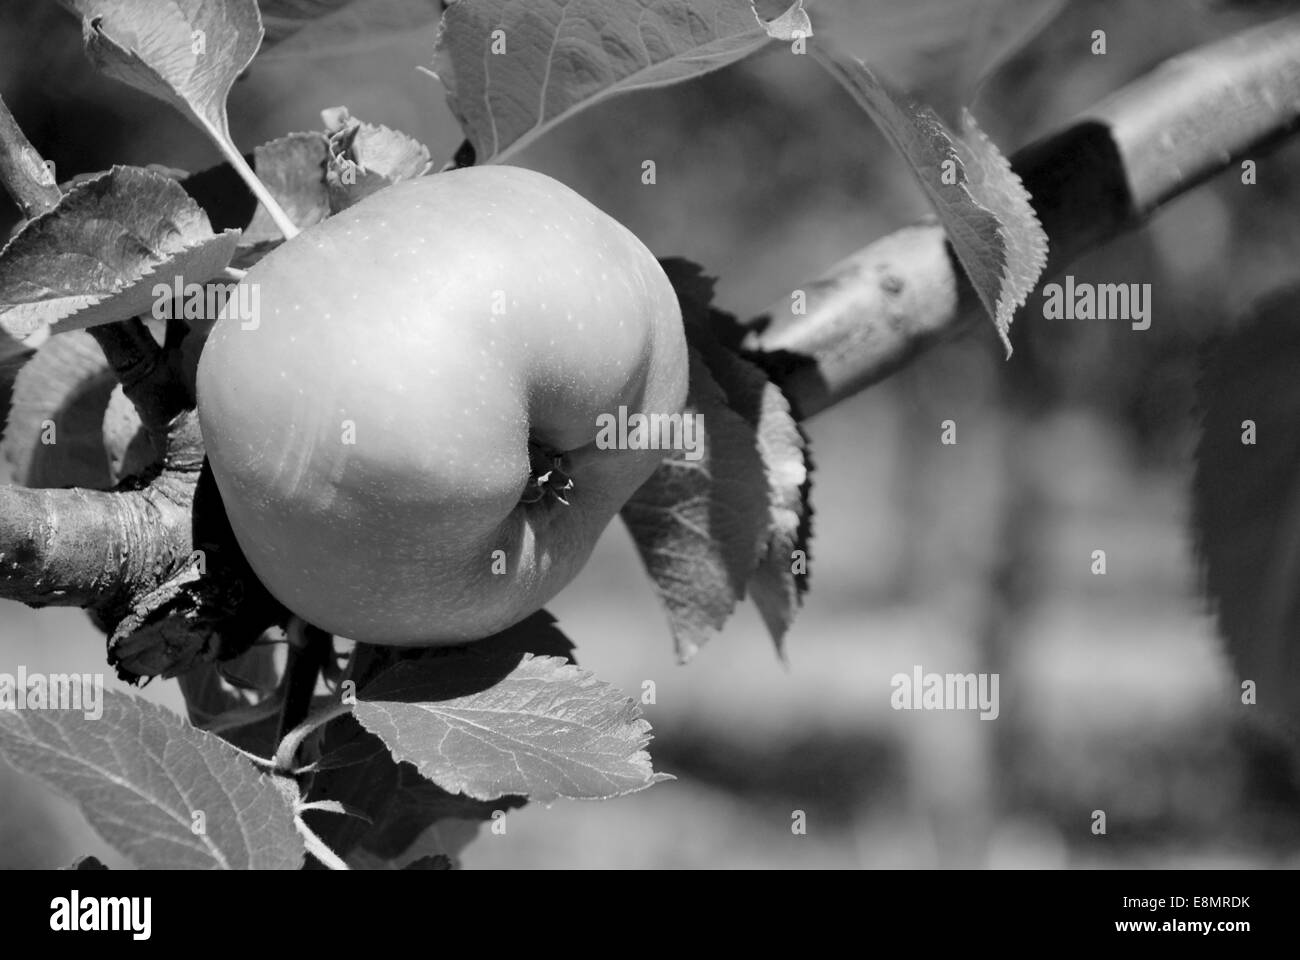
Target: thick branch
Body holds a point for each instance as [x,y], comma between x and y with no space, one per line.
[1103,175]
[87,548]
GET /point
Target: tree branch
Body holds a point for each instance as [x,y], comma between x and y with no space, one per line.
[1101,176]
[96,549]
[149,380]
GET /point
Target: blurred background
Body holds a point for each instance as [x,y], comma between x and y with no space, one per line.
[1115,691]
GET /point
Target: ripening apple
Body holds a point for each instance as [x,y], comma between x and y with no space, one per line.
[405,438]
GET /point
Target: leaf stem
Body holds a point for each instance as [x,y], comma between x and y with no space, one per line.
[23,171]
[292,740]
[236,160]
[317,848]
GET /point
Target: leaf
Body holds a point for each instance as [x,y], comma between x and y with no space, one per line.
[430,863]
[774,585]
[293,169]
[490,725]
[937,50]
[996,187]
[1246,499]
[364,158]
[127,443]
[407,816]
[701,525]
[561,56]
[86,863]
[701,560]
[297,29]
[141,774]
[981,203]
[185,52]
[97,256]
[53,434]
[216,690]
[777,589]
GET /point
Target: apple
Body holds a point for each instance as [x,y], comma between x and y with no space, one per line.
[404,433]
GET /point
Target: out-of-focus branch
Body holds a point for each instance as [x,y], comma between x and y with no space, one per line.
[1101,176]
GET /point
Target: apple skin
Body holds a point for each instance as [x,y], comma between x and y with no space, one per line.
[378,325]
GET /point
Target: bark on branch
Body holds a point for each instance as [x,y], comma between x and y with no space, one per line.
[1102,175]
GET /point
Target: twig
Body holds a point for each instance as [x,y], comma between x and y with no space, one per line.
[1102,176]
[142,368]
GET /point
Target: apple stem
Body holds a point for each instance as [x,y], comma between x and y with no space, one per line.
[309,648]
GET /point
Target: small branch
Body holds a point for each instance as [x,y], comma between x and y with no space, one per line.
[142,368]
[23,171]
[1100,177]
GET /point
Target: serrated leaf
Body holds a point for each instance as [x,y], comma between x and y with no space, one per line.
[491,726]
[293,169]
[185,52]
[984,209]
[97,256]
[1246,499]
[780,578]
[141,774]
[407,816]
[562,56]
[937,50]
[365,158]
[297,29]
[997,188]
[52,437]
[701,525]
[410,816]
